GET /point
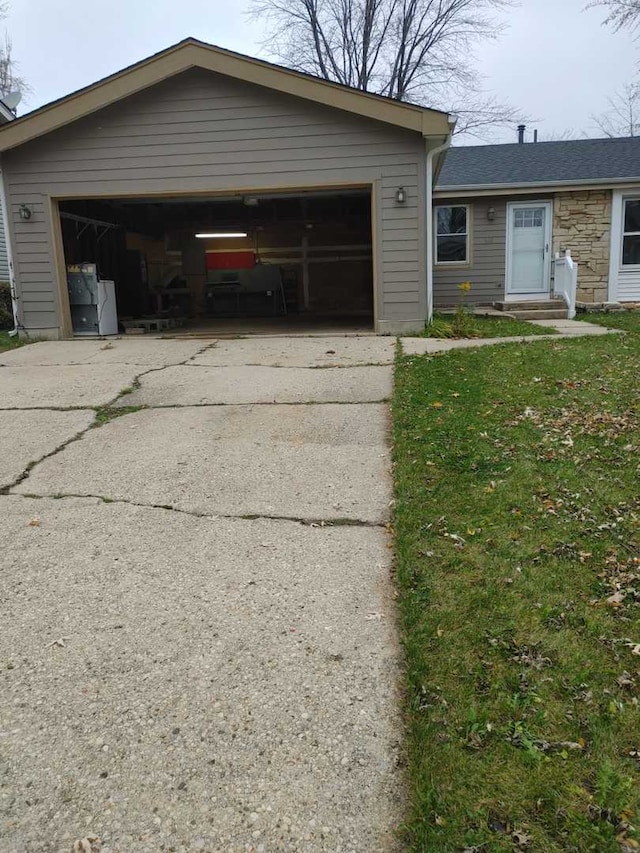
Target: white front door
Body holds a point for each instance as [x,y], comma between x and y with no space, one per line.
[528,245]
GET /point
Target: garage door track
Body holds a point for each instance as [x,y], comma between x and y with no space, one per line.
[197,649]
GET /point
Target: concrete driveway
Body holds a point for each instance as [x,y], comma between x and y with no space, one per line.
[197,647]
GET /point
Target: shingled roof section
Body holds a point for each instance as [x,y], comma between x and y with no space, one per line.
[579,160]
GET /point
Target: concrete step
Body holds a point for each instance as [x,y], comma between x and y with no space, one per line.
[547,314]
[530,305]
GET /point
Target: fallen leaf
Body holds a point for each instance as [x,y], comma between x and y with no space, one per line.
[625,681]
[521,840]
[35,522]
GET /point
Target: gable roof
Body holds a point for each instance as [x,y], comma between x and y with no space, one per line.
[580,161]
[192,53]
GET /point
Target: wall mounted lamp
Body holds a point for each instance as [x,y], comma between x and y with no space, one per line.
[24,212]
[491,214]
[401,195]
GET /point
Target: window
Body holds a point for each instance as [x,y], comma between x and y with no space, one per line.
[452,235]
[631,233]
[528,217]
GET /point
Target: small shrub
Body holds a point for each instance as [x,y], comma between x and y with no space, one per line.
[463,325]
[6,310]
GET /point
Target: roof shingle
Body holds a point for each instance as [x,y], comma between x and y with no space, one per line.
[541,162]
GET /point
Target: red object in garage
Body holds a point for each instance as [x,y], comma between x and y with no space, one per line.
[231,260]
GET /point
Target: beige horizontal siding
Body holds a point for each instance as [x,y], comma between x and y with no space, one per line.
[201,132]
[486,272]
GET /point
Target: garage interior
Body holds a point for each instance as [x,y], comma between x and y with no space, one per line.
[235,263]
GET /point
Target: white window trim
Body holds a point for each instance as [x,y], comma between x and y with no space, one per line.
[624,281]
[467,234]
[615,244]
[622,266]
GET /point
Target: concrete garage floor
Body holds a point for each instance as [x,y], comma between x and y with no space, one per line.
[197,647]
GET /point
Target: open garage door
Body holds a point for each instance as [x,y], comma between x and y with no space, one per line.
[252,262]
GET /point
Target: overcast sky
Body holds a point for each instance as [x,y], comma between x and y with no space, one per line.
[555,62]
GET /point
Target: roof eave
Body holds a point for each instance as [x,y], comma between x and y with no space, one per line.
[534,185]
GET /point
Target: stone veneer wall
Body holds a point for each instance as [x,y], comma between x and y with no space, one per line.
[582,223]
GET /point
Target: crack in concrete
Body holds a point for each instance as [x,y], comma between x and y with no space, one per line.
[253,516]
[148,406]
[97,421]
[265,403]
[297,366]
[5,490]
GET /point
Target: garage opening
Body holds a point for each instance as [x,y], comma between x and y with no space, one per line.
[236,264]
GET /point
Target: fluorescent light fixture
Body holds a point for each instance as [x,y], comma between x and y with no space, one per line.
[219,235]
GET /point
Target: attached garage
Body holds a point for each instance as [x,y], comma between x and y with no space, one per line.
[261,261]
[218,191]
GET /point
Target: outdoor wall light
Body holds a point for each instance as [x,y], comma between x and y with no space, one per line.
[491,214]
[24,212]
[401,195]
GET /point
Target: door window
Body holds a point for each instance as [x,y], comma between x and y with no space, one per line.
[528,217]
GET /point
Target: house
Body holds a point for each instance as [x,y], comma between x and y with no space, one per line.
[502,212]
[209,185]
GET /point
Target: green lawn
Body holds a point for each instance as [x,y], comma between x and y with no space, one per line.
[627,320]
[517,524]
[9,343]
[478,326]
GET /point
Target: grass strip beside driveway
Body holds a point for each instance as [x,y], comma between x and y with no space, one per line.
[518,570]
[7,342]
[479,326]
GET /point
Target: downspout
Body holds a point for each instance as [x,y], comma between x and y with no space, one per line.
[431,154]
[12,279]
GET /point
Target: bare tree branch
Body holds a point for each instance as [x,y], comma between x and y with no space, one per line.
[10,80]
[410,50]
[622,118]
[622,14]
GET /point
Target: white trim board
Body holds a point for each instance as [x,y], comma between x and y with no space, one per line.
[624,284]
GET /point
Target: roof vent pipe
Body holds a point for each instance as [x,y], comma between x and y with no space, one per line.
[535,135]
[521,130]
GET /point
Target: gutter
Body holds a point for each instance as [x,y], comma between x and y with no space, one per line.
[12,279]
[536,185]
[431,154]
